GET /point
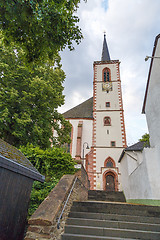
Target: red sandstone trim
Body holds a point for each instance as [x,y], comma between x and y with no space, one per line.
[79,141]
[124,142]
[112,173]
[71,144]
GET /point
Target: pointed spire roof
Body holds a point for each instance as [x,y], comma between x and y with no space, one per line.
[105,52]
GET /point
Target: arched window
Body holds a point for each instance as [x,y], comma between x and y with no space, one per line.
[107,121]
[106,75]
[109,163]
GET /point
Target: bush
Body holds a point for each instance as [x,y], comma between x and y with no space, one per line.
[39,192]
[51,162]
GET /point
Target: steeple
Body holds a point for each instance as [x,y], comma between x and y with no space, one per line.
[105,52]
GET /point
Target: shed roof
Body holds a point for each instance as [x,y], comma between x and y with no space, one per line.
[83,110]
[135,147]
[12,159]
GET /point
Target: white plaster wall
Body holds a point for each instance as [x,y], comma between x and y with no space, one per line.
[135,182]
[153,101]
[115,133]
[125,176]
[86,135]
[134,159]
[111,96]
[141,181]
[152,159]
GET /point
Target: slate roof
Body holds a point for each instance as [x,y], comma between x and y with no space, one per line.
[135,147]
[12,159]
[83,110]
[105,51]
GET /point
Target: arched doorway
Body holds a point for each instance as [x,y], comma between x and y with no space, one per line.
[110,181]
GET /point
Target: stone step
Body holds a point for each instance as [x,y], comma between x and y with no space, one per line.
[112,196]
[113,224]
[66,236]
[114,217]
[112,232]
[116,208]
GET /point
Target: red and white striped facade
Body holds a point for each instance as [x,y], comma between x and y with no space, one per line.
[101,126]
[104,135]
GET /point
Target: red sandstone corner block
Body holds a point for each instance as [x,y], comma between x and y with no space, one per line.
[47,211]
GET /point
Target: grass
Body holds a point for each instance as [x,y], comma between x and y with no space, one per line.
[145,201]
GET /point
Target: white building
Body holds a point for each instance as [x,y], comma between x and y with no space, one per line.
[140,168]
[99,124]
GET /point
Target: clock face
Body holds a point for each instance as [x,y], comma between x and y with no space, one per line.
[107,86]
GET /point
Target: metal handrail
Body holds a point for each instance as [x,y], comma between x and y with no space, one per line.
[58,224]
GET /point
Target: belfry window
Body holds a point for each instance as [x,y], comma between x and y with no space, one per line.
[106,75]
[107,121]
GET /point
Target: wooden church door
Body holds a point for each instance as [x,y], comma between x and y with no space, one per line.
[110,183]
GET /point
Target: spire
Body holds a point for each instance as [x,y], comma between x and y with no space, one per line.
[105,52]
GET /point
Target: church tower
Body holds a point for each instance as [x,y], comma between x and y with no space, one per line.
[109,138]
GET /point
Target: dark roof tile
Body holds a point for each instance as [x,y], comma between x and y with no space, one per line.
[135,147]
[83,110]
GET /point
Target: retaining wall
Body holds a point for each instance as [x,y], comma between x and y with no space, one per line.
[43,223]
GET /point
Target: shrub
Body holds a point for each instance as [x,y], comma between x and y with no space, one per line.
[51,162]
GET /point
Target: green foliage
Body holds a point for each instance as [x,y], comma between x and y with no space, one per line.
[51,161]
[39,192]
[40,27]
[29,98]
[145,138]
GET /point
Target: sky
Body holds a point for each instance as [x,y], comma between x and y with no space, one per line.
[131,27]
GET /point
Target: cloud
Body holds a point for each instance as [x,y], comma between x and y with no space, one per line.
[131,27]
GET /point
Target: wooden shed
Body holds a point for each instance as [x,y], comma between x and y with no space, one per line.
[16,178]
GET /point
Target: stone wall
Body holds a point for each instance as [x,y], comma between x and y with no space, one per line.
[43,223]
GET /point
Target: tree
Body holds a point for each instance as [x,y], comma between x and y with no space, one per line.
[145,138]
[29,97]
[40,27]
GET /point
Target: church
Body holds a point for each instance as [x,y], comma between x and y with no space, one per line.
[98,130]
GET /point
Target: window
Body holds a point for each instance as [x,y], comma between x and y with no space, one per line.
[107,104]
[109,164]
[106,75]
[113,143]
[107,121]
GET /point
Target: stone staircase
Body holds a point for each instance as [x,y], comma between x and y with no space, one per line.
[98,195]
[97,219]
